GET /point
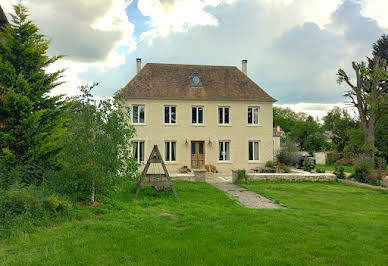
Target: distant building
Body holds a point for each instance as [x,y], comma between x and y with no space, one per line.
[200,114]
[277,134]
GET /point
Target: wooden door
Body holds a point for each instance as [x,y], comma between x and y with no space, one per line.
[197,154]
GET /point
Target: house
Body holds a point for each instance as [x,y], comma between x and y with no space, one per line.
[3,18]
[200,114]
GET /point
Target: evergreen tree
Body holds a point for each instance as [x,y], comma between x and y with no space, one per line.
[31,121]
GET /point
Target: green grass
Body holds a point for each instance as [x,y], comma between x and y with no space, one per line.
[347,168]
[325,223]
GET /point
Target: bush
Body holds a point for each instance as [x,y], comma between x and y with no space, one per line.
[362,170]
[288,152]
[320,170]
[242,177]
[339,172]
[270,164]
[308,164]
[22,208]
[282,168]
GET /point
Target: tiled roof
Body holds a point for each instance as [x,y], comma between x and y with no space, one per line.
[3,18]
[171,81]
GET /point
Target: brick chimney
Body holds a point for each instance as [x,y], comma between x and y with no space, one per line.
[244,66]
[138,64]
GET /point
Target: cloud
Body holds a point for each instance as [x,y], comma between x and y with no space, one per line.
[84,31]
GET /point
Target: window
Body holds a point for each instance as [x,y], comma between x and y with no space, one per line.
[170,151]
[254,150]
[224,150]
[253,115]
[138,114]
[170,114]
[223,115]
[197,115]
[138,150]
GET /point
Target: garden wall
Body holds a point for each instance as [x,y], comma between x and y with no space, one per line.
[292,176]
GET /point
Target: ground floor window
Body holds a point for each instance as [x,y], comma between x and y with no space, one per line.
[254,150]
[224,150]
[138,150]
[170,151]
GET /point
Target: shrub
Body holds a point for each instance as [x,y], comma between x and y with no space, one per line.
[288,152]
[362,170]
[339,172]
[22,208]
[242,177]
[270,164]
[380,162]
[320,170]
[308,164]
[282,168]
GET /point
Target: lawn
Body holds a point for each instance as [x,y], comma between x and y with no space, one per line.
[347,168]
[325,223]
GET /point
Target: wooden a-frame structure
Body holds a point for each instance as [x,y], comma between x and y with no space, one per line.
[158,182]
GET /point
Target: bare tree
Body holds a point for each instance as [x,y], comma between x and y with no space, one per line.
[369,95]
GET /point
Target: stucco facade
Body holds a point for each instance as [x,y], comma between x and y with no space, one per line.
[238,132]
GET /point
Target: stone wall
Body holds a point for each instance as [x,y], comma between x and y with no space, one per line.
[292,177]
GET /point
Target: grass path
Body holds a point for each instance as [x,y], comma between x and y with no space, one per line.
[325,223]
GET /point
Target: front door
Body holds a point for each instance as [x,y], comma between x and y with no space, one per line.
[197,154]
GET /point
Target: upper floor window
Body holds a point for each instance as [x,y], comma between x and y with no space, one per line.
[170,114]
[224,150]
[197,115]
[138,150]
[138,115]
[253,115]
[223,115]
[254,147]
[170,151]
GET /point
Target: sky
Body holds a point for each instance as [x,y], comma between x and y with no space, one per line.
[294,48]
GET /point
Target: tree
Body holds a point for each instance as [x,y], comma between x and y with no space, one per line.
[31,121]
[303,129]
[380,48]
[97,149]
[369,96]
[338,121]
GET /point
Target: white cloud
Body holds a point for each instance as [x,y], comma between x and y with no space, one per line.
[377,9]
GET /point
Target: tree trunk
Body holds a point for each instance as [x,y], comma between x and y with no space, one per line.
[369,137]
[92,192]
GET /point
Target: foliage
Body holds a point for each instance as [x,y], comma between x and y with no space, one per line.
[31,129]
[355,145]
[288,151]
[315,142]
[308,164]
[22,208]
[242,177]
[302,130]
[339,172]
[332,157]
[97,152]
[382,137]
[362,171]
[320,170]
[282,168]
[270,164]
[338,121]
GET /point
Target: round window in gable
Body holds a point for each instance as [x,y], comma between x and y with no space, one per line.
[195,80]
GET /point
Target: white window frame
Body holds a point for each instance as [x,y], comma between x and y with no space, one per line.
[138,150]
[170,115]
[169,144]
[223,108]
[254,150]
[222,143]
[197,107]
[255,120]
[138,114]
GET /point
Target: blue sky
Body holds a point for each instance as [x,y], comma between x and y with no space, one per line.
[293,47]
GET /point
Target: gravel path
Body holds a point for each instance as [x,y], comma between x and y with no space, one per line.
[247,198]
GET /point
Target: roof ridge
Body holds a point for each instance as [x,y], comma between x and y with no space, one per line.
[193,65]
